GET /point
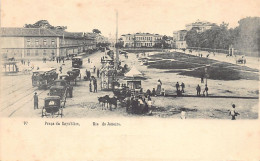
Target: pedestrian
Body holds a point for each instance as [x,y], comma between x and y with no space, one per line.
[148,92]
[183,114]
[57,60]
[198,90]
[163,92]
[98,73]
[153,92]
[202,78]
[88,60]
[177,86]
[60,69]
[90,86]
[159,86]
[182,87]
[95,85]
[205,90]
[28,62]
[233,112]
[94,69]
[62,59]
[35,98]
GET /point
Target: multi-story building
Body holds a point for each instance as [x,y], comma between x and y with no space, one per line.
[141,40]
[200,26]
[36,43]
[179,39]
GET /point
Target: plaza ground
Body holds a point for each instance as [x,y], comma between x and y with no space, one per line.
[17,93]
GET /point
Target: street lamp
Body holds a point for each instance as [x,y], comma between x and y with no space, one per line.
[206,72]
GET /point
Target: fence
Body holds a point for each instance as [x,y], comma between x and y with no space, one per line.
[236,52]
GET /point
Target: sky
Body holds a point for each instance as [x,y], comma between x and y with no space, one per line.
[153,16]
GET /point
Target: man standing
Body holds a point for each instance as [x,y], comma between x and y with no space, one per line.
[182,87]
[94,69]
[198,90]
[233,113]
[95,85]
[35,98]
[206,90]
[177,86]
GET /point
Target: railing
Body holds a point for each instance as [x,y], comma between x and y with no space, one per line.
[236,52]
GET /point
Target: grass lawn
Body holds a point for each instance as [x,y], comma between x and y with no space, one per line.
[217,70]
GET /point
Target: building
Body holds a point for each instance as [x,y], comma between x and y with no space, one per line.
[179,39]
[37,43]
[139,40]
[200,26]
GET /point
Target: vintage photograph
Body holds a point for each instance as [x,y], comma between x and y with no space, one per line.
[132,59]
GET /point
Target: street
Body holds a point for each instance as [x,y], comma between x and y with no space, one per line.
[17,94]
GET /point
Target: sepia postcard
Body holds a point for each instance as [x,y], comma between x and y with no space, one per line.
[129,80]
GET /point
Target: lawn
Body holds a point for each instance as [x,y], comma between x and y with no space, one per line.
[196,67]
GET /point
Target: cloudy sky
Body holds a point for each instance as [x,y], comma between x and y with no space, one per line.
[154,16]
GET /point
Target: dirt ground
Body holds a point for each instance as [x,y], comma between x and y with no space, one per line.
[17,94]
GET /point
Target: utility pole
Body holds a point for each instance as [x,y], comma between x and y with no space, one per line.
[117,54]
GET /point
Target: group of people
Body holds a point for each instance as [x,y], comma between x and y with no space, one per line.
[198,89]
[138,104]
[178,90]
[59,59]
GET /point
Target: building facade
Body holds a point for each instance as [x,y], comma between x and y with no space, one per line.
[179,39]
[139,40]
[38,43]
[200,26]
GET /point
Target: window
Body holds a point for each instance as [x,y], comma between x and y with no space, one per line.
[28,52]
[28,42]
[44,52]
[44,42]
[36,53]
[37,42]
[52,42]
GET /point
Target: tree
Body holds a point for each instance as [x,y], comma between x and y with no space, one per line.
[44,24]
[97,31]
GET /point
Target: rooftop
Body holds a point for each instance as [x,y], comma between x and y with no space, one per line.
[39,32]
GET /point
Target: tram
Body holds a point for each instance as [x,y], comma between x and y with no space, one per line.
[10,67]
[77,62]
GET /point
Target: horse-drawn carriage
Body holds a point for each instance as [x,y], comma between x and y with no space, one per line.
[66,88]
[241,60]
[52,106]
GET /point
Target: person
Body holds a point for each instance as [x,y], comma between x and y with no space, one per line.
[163,92]
[153,92]
[233,112]
[205,90]
[198,90]
[98,73]
[159,86]
[88,60]
[35,98]
[183,114]
[94,69]
[28,62]
[90,86]
[177,86]
[95,85]
[182,87]
[62,59]
[202,78]
[149,103]
[60,69]
[57,59]
[148,92]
